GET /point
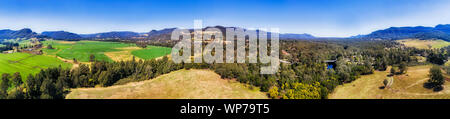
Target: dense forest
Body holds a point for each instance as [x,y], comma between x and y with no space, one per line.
[8,46]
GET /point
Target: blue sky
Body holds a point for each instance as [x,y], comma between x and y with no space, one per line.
[330,18]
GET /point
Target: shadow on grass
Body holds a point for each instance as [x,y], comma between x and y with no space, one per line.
[435,87]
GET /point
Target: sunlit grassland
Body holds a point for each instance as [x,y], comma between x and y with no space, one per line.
[103,51]
[28,64]
[82,50]
[405,86]
[152,52]
[424,44]
[182,84]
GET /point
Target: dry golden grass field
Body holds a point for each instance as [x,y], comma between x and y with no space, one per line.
[406,86]
[182,84]
[424,44]
[123,55]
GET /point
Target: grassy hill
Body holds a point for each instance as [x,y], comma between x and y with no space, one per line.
[27,63]
[406,86]
[182,84]
[424,44]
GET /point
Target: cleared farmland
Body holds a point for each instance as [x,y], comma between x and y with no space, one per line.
[28,64]
[406,86]
[103,51]
[83,49]
[152,52]
[424,44]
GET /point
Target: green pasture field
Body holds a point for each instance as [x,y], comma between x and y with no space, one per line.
[82,50]
[152,52]
[424,44]
[28,64]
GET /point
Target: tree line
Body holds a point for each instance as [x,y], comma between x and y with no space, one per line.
[8,46]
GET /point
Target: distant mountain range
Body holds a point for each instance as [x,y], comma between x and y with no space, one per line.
[296,36]
[156,35]
[114,34]
[61,35]
[392,33]
[23,33]
[418,32]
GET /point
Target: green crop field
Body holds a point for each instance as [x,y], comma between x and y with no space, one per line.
[82,50]
[107,51]
[57,46]
[152,52]
[28,64]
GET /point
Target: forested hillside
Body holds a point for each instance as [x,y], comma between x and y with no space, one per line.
[418,32]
